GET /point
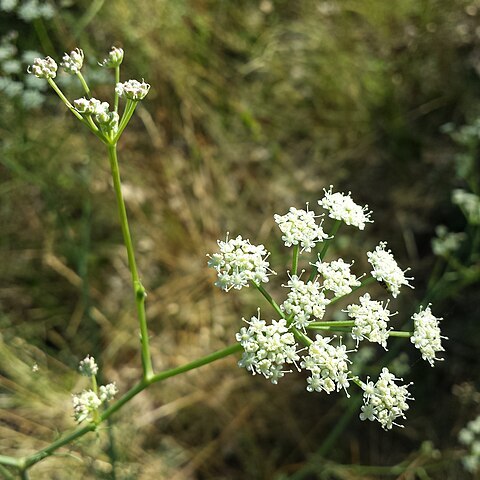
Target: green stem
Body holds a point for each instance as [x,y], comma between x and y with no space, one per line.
[320,325]
[24,475]
[269,299]
[296,250]
[127,115]
[394,333]
[64,99]
[365,282]
[117,80]
[138,288]
[84,84]
[10,461]
[6,474]
[135,390]
[326,244]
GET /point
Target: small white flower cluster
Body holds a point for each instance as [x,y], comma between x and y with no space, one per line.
[470,437]
[87,403]
[337,277]
[371,321]
[446,243]
[469,203]
[299,228]
[384,401]
[386,269]
[426,334]
[91,106]
[28,10]
[72,62]
[328,366]
[114,58]
[342,207]
[238,263]
[88,367]
[267,348]
[44,68]
[304,300]
[132,90]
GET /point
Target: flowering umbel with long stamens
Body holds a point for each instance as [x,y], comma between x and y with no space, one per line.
[309,309]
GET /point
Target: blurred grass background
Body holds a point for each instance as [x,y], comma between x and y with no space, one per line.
[255,106]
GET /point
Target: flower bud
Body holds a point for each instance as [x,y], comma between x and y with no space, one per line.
[132,89]
[73,62]
[44,68]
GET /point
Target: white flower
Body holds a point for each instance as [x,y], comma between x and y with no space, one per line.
[267,347]
[342,207]
[386,269]
[328,366]
[72,62]
[88,367]
[337,277]
[446,242]
[44,68]
[469,203]
[107,392]
[84,405]
[385,401]
[114,58]
[299,228]
[426,334]
[371,321]
[238,263]
[91,106]
[470,437]
[304,301]
[132,89]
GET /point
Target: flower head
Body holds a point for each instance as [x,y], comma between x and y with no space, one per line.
[267,348]
[88,367]
[337,277]
[91,106]
[84,405]
[371,321]
[114,58]
[384,401]
[328,366]
[72,62]
[426,334]
[342,207]
[304,300]
[299,228]
[238,263]
[44,68]
[132,90]
[386,269]
[107,392]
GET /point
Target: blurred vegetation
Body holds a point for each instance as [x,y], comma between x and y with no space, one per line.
[255,106]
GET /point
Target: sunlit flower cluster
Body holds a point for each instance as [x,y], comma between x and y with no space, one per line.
[337,277]
[426,335]
[88,367]
[238,263]
[371,320]
[340,206]
[328,366]
[133,89]
[267,348]
[44,68]
[386,269]
[113,59]
[300,228]
[385,401]
[304,300]
[72,62]
[470,437]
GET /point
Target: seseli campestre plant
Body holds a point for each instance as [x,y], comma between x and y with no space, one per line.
[303,336]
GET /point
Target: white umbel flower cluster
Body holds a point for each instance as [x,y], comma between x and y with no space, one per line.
[469,203]
[72,62]
[238,263]
[114,58]
[107,392]
[342,207]
[88,367]
[85,405]
[305,300]
[426,335]
[300,228]
[386,269]
[91,106]
[337,277]
[371,321]
[267,348]
[44,68]
[132,90]
[470,437]
[328,366]
[385,401]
